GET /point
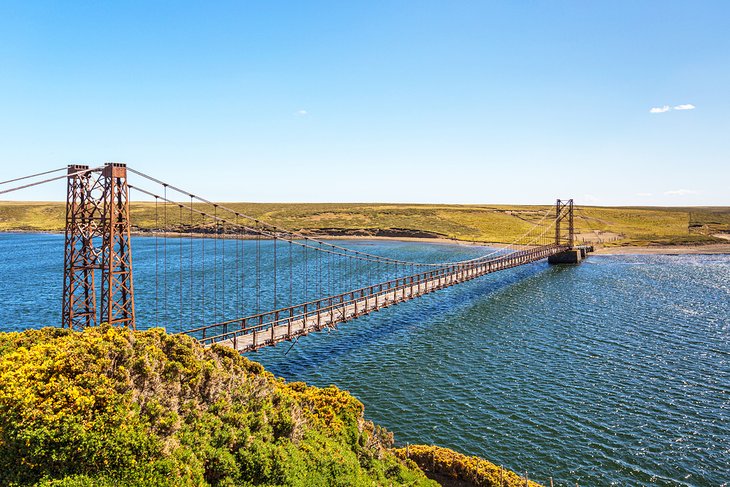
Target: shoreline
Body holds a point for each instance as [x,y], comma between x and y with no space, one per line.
[709,249]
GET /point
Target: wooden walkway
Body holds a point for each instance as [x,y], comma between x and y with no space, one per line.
[267,329]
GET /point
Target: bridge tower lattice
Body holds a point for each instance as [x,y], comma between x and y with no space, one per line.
[98,242]
[563,210]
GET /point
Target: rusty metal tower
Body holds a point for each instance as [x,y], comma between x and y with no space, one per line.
[98,245]
[563,210]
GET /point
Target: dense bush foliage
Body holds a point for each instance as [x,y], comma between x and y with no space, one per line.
[109,406]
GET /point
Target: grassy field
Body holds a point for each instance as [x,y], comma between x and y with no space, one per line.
[492,223]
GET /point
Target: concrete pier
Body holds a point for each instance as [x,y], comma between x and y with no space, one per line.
[572,256]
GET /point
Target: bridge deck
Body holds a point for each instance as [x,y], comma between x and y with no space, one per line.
[267,329]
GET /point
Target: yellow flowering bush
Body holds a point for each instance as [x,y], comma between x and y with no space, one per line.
[450,464]
[110,406]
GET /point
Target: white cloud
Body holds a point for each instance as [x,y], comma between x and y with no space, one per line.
[663,109]
[680,192]
[666,108]
[589,198]
[301,113]
[644,194]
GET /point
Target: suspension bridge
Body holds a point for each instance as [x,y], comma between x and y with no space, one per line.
[227,278]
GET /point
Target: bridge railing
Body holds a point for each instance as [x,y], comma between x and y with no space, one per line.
[254,322]
[324,310]
[326,305]
[333,309]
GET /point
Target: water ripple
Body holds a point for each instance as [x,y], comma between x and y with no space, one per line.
[615,372]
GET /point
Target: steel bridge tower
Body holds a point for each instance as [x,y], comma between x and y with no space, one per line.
[563,210]
[98,244]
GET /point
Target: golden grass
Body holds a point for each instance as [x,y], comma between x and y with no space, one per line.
[492,223]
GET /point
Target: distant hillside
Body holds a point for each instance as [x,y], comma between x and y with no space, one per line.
[490,223]
[110,406]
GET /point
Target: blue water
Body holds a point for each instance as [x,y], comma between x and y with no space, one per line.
[614,372]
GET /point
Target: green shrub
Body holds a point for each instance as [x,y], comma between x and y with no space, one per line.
[109,406]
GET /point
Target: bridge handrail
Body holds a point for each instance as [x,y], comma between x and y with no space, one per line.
[324,310]
[342,303]
[444,270]
[327,299]
[302,311]
[313,302]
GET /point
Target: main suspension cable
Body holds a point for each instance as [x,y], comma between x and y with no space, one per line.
[32,176]
[275,229]
[36,183]
[363,256]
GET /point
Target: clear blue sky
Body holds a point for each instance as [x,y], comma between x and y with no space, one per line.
[389,101]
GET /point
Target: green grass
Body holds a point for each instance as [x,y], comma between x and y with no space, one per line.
[493,223]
